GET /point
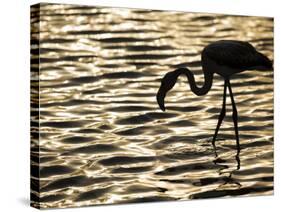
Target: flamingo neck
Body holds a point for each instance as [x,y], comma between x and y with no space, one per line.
[199,91]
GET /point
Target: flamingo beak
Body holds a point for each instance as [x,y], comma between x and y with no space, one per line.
[160,99]
[167,83]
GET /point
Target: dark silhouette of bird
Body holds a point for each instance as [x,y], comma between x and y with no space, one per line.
[225,58]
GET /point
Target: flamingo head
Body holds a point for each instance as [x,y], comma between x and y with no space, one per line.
[167,83]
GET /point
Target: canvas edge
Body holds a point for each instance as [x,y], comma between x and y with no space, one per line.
[34,106]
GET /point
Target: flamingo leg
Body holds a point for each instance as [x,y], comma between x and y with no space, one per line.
[235,121]
[221,117]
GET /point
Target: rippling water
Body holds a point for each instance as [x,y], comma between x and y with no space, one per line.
[104,140]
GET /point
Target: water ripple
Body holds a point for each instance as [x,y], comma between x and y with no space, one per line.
[104,140]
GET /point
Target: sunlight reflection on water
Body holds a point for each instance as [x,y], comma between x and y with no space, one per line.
[104,140]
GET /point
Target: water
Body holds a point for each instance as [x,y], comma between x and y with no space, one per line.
[103,139]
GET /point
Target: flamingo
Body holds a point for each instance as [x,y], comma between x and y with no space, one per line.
[225,58]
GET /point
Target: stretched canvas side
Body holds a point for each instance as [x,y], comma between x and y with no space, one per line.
[34,106]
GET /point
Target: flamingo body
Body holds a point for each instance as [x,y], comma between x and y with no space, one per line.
[228,57]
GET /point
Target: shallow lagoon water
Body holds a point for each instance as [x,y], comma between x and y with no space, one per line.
[103,139]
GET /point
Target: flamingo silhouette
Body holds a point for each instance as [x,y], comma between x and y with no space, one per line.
[225,58]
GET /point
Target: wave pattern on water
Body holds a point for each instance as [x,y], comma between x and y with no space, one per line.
[103,139]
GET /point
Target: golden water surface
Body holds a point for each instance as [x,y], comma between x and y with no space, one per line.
[103,138]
